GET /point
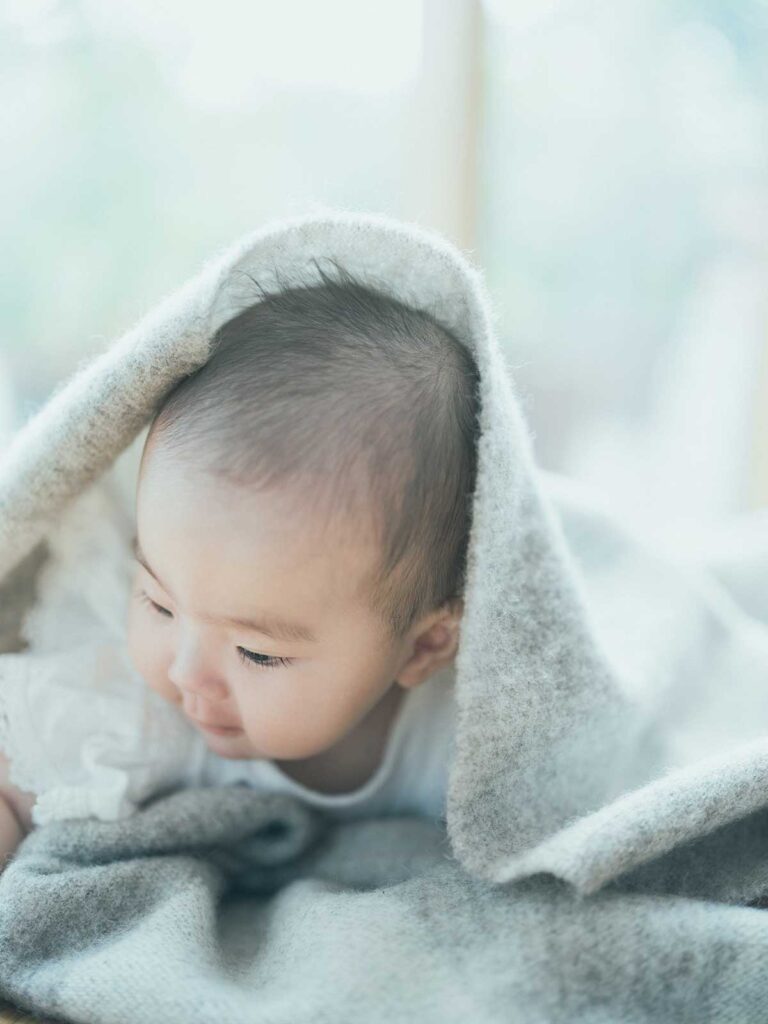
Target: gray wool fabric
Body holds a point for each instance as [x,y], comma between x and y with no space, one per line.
[603,854]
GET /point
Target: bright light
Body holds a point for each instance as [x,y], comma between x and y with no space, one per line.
[231,53]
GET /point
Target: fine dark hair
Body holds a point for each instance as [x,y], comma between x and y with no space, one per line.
[369,404]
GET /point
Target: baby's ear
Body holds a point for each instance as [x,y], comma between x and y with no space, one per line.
[433,644]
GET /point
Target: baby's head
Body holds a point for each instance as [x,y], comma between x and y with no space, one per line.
[313,479]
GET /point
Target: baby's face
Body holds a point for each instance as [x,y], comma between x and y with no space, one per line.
[309,658]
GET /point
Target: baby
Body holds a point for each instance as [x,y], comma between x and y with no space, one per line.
[302,519]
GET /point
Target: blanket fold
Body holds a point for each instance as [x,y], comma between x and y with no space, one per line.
[607,793]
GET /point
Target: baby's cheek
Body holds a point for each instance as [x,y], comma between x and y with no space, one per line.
[283,720]
[269,719]
[158,682]
[148,657]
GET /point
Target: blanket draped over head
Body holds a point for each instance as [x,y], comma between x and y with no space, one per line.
[604,852]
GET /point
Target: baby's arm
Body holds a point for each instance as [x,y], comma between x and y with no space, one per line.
[15,813]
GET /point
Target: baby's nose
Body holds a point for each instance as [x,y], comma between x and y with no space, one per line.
[207,689]
[190,675]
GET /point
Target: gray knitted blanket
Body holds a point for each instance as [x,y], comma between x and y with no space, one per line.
[602,856]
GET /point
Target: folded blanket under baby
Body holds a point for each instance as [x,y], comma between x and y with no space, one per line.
[603,852]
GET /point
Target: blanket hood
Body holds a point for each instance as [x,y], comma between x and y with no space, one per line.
[562,762]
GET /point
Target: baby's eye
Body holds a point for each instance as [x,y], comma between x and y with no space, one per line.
[249,657]
[262,660]
[153,604]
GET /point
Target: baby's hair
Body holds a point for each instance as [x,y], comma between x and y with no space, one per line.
[367,403]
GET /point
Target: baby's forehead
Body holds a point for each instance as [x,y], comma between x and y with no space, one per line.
[289,511]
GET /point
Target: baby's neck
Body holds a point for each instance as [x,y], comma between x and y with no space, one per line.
[348,764]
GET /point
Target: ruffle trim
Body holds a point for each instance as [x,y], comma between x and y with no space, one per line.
[85,734]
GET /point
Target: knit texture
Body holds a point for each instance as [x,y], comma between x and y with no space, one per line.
[605,821]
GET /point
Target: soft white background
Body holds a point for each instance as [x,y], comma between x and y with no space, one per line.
[605,163]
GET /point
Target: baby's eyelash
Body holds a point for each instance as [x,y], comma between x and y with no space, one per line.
[262,660]
[153,604]
[249,657]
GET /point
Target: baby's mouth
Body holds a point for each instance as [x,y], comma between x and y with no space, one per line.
[219,730]
[214,727]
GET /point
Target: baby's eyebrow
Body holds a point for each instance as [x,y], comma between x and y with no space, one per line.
[276,629]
